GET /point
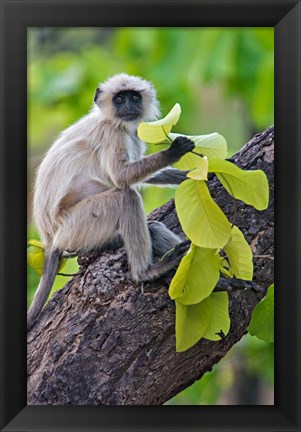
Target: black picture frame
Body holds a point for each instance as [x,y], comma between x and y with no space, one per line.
[16,17]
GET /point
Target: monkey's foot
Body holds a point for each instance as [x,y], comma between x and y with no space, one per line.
[178,251]
[170,261]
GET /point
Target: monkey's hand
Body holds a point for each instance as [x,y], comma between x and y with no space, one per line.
[179,147]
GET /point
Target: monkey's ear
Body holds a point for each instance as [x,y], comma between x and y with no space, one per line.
[97,93]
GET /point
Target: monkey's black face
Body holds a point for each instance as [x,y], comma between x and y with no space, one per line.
[128,104]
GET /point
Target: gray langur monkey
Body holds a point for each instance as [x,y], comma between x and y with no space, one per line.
[86,186]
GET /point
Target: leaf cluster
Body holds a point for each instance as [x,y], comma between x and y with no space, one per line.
[217,245]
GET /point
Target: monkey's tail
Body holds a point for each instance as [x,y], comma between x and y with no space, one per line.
[51,263]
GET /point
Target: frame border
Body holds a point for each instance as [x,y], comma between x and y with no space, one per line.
[16,16]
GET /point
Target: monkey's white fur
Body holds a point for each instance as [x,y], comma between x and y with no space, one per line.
[85,152]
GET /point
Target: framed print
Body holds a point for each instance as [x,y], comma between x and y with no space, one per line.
[100,356]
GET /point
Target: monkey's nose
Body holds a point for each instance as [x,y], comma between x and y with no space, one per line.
[128,104]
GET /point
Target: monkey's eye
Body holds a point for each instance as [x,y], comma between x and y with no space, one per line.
[136,97]
[119,100]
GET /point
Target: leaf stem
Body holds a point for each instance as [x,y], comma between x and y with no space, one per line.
[167,137]
[198,154]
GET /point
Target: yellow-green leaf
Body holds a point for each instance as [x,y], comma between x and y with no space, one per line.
[249,186]
[239,255]
[225,269]
[202,220]
[212,145]
[201,171]
[62,264]
[156,131]
[36,257]
[220,320]
[196,276]
[37,243]
[262,321]
[191,323]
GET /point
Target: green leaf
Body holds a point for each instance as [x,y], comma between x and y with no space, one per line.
[220,320]
[191,323]
[249,186]
[201,171]
[225,269]
[156,131]
[36,257]
[240,255]
[37,243]
[196,276]
[202,220]
[212,145]
[262,321]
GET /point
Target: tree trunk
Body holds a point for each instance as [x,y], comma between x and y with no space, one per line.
[103,340]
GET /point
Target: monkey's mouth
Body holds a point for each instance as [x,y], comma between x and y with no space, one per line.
[128,116]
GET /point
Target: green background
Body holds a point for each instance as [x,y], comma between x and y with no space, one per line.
[223,79]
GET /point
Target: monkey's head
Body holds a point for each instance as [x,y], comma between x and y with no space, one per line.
[126,98]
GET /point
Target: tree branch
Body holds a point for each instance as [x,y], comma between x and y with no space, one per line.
[104,340]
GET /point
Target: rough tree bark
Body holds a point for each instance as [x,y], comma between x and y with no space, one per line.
[104,340]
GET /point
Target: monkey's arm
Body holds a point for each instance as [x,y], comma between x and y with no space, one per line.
[136,172]
[166,176]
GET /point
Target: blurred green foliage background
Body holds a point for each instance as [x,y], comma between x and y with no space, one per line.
[223,79]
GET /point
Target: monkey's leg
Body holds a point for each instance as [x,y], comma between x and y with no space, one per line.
[95,221]
[138,244]
[163,240]
[135,233]
[90,224]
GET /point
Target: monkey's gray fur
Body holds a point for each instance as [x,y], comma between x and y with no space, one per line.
[86,190]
